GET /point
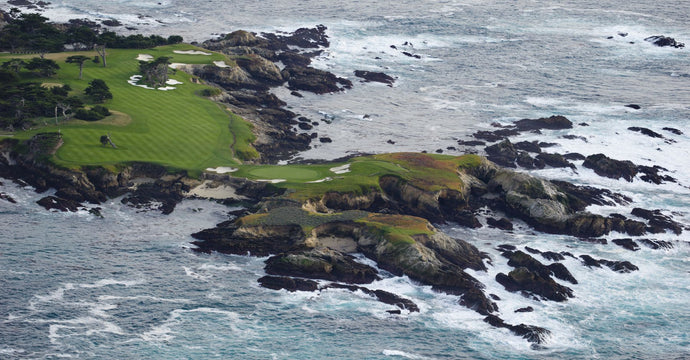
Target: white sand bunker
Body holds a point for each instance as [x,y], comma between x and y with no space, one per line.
[145,57]
[320,180]
[221,64]
[191,52]
[134,80]
[341,169]
[222,170]
[272,181]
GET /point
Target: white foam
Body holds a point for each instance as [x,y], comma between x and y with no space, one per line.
[403,354]
[191,52]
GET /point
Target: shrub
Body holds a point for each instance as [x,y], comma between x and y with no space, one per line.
[174,39]
[88,115]
[101,110]
[210,92]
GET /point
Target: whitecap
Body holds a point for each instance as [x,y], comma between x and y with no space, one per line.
[403,354]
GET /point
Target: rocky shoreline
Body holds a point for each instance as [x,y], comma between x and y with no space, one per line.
[311,243]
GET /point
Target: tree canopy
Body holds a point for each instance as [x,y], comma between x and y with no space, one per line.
[80,60]
[98,90]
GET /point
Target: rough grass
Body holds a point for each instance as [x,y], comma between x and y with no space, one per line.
[177,128]
[397,229]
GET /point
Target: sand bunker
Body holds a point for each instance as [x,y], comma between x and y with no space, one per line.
[145,57]
[177,65]
[191,52]
[341,169]
[319,181]
[173,82]
[221,64]
[272,181]
[134,80]
[222,170]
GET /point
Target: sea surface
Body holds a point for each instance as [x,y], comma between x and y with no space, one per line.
[128,286]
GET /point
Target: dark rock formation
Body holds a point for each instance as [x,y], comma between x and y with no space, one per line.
[502,223]
[611,168]
[522,279]
[673,130]
[555,160]
[288,283]
[503,153]
[531,333]
[525,309]
[521,259]
[657,221]
[60,204]
[580,197]
[314,80]
[529,146]
[633,106]
[555,122]
[493,136]
[657,244]
[7,198]
[324,264]
[380,295]
[646,131]
[375,77]
[662,41]
[162,194]
[255,240]
[626,244]
[617,266]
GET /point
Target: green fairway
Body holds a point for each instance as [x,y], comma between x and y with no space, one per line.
[175,128]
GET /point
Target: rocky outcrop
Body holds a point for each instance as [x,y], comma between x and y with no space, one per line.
[617,266]
[611,168]
[323,263]
[531,333]
[314,80]
[258,240]
[288,283]
[531,282]
[658,222]
[555,122]
[375,77]
[662,41]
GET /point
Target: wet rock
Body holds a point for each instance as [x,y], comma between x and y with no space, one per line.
[611,168]
[548,255]
[657,244]
[561,272]
[633,106]
[651,174]
[161,195]
[574,156]
[580,197]
[646,131]
[325,139]
[506,247]
[60,204]
[394,312]
[525,309]
[7,198]
[673,130]
[520,259]
[467,219]
[321,263]
[529,146]
[305,126]
[531,333]
[617,266]
[626,244]
[657,221]
[663,41]
[292,58]
[314,80]
[471,143]
[493,136]
[555,160]
[382,296]
[502,223]
[594,241]
[503,153]
[522,279]
[288,283]
[555,122]
[574,137]
[256,240]
[375,76]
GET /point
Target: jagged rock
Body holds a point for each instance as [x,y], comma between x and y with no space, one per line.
[531,333]
[502,223]
[529,146]
[506,247]
[611,168]
[380,295]
[325,139]
[261,69]
[496,135]
[503,153]
[574,156]
[60,204]
[375,76]
[661,41]
[646,131]
[672,130]
[595,241]
[522,279]
[580,197]
[7,198]
[555,160]
[321,263]
[256,240]
[161,195]
[617,266]
[650,174]
[525,309]
[292,58]
[520,259]
[658,222]
[627,244]
[314,80]
[548,255]
[467,219]
[657,244]
[288,283]
[555,122]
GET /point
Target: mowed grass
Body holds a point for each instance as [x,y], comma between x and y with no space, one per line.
[175,128]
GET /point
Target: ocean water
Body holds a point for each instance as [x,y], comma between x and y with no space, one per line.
[129,286]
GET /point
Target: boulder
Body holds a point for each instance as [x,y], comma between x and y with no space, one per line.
[555,122]
[380,295]
[629,244]
[657,244]
[502,223]
[611,168]
[646,131]
[258,240]
[520,259]
[321,263]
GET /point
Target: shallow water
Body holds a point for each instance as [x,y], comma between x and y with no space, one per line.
[128,286]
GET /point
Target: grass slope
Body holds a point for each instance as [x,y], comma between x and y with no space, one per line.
[174,128]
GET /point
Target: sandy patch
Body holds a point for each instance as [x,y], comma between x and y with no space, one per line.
[222,169]
[48,85]
[173,82]
[191,52]
[166,88]
[212,190]
[272,181]
[319,181]
[341,169]
[221,64]
[145,57]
